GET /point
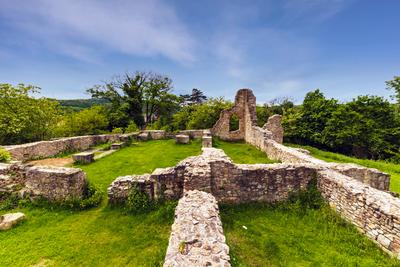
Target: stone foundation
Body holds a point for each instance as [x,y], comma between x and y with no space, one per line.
[197,237]
[51,183]
[215,173]
[45,149]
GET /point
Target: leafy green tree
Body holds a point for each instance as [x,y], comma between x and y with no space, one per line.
[86,122]
[365,127]
[139,97]
[394,85]
[24,118]
[316,111]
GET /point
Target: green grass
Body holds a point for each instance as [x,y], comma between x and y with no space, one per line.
[390,168]
[242,153]
[101,236]
[290,235]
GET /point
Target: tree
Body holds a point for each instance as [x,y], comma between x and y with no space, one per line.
[316,111]
[197,97]
[394,85]
[365,127]
[24,118]
[86,122]
[136,97]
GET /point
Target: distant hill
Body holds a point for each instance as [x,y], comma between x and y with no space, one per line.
[79,104]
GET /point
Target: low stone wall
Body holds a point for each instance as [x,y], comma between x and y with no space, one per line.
[197,237]
[192,133]
[52,183]
[55,183]
[156,134]
[215,173]
[260,139]
[45,149]
[374,212]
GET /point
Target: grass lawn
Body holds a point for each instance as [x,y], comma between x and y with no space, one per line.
[291,235]
[242,153]
[390,168]
[100,236]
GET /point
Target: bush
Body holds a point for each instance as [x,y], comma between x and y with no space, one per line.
[117,131]
[132,127]
[138,201]
[4,155]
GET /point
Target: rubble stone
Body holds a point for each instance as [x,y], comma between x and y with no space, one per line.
[7,221]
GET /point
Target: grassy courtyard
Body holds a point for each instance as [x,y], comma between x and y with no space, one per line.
[100,236]
[390,168]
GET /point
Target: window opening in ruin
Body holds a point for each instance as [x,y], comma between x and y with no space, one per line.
[234,123]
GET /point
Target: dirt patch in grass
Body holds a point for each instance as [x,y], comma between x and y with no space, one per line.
[56,162]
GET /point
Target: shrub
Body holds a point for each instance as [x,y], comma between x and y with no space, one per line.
[4,155]
[117,131]
[138,201]
[132,127]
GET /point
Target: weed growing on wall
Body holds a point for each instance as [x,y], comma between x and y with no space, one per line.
[5,156]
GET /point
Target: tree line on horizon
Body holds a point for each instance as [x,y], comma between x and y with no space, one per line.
[366,127]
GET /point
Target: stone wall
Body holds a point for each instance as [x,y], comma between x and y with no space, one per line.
[215,173]
[245,109]
[374,212]
[45,149]
[193,133]
[55,183]
[52,183]
[197,237]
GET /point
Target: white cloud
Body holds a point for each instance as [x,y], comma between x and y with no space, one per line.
[76,28]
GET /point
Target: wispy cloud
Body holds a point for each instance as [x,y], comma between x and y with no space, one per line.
[75,28]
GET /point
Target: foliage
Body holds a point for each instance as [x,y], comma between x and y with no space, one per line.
[234,123]
[73,105]
[395,86]
[140,97]
[132,127]
[117,130]
[242,153]
[8,201]
[86,122]
[139,201]
[5,156]
[200,116]
[196,97]
[366,127]
[24,118]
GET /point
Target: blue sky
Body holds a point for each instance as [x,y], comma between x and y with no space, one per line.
[277,48]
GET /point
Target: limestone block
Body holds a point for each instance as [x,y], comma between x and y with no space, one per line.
[7,221]
[182,139]
[55,183]
[83,157]
[143,136]
[207,141]
[116,146]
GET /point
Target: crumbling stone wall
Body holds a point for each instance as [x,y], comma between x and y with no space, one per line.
[45,149]
[374,212]
[197,237]
[52,183]
[55,183]
[244,109]
[274,125]
[215,173]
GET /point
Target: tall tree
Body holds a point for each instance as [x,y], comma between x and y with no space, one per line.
[24,118]
[136,97]
[395,85]
[196,97]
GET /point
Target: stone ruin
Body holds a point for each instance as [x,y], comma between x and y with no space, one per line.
[361,195]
